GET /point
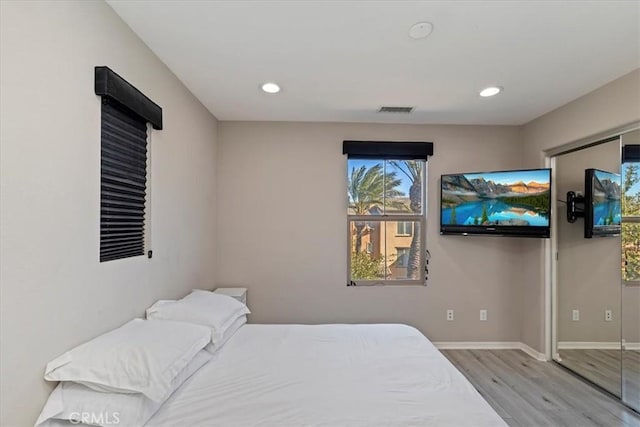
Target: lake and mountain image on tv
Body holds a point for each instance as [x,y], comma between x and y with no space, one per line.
[606,199]
[509,198]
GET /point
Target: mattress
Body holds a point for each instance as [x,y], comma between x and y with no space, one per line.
[327,375]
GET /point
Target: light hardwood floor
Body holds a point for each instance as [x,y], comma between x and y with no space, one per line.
[631,379]
[526,392]
[603,367]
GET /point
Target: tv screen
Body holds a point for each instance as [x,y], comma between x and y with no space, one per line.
[602,203]
[504,203]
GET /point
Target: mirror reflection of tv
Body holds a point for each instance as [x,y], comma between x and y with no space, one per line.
[502,203]
[602,213]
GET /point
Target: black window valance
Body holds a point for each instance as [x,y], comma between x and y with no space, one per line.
[630,153]
[109,84]
[400,150]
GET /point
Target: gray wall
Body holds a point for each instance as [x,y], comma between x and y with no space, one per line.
[282,230]
[588,270]
[55,294]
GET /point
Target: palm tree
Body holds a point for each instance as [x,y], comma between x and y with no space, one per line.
[413,170]
[367,188]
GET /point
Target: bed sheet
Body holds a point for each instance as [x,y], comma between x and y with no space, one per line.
[327,375]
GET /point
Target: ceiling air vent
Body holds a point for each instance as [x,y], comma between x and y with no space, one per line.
[402,110]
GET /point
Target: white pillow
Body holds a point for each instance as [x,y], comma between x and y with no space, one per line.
[77,403]
[139,357]
[156,305]
[231,330]
[206,308]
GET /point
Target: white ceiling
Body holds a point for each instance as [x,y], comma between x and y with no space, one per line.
[342,60]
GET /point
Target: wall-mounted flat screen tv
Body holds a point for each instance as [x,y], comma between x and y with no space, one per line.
[504,203]
[602,213]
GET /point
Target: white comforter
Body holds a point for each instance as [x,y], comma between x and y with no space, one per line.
[327,375]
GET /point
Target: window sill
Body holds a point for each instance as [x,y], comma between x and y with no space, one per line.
[379,284]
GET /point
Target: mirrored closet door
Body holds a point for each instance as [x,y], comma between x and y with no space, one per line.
[596,273]
[588,270]
[630,317]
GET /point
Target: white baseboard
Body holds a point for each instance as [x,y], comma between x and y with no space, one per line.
[588,345]
[533,352]
[490,345]
[479,345]
[635,346]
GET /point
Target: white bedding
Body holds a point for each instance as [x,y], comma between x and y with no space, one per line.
[327,375]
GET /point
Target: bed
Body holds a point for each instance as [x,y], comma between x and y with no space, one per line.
[327,375]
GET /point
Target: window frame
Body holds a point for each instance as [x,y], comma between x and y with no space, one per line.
[381,219]
[404,226]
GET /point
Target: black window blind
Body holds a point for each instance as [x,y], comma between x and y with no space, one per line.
[123,182]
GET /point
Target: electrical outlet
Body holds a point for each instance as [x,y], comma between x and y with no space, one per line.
[576,315]
[449,314]
[608,316]
[483,315]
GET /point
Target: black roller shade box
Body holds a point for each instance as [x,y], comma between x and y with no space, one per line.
[109,84]
[397,150]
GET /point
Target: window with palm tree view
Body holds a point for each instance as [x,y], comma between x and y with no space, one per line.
[631,222]
[386,221]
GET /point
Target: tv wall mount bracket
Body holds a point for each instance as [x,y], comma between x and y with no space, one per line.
[575,206]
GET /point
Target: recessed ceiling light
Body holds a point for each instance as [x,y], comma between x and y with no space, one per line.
[490,91]
[420,30]
[271,87]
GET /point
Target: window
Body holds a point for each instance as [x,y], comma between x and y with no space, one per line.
[386,215]
[123,171]
[631,214]
[404,228]
[402,257]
